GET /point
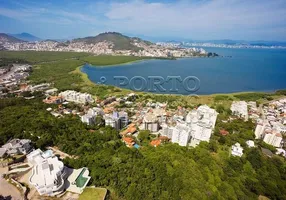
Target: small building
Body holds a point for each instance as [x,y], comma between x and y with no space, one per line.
[18,146]
[223,132]
[53,100]
[236,150]
[128,141]
[250,143]
[131,129]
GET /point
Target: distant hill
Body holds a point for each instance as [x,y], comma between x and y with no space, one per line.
[8,38]
[26,37]
[119,41]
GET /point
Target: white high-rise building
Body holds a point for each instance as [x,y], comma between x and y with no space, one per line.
[202,122]
[239,108]
[167,131]
[88,119]
[259,130]
[181,134]
[273,139]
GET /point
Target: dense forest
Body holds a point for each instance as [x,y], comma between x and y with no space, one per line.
[166,172]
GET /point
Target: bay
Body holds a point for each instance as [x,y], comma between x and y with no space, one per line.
[236,70]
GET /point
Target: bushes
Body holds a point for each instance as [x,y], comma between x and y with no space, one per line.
[254,96]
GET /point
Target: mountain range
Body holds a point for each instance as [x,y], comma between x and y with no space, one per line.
[8,38]
[26,37]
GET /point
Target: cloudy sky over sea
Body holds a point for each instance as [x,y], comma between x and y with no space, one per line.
[186,19]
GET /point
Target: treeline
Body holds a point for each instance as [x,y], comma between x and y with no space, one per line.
[7,62]
[166,172]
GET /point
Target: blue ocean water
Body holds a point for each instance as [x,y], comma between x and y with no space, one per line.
[236,70]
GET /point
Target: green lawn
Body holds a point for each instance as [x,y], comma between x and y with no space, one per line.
[93,194]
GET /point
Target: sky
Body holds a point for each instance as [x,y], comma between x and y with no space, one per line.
[149,19]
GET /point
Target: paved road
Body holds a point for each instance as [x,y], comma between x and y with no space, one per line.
[6,189]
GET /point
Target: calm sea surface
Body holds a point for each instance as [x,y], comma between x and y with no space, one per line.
[238,70]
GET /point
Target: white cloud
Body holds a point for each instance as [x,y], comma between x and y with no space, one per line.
[185,18]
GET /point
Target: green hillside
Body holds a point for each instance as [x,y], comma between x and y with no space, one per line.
[120,42]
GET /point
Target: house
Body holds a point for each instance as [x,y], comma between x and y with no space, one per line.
[223,132]
[236,150]
[159,141]
[128,141]
[131,129]
[250,143]
[48,173]
[18,146]
[155,143]
[53,100]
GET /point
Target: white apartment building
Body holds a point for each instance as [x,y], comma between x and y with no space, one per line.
[181,134]
[91,115]
[239,108]
[202,122]
[117,120]
[88,119]
[48,173]
[236,150]
[273,138]
[167,130]
[259,130]
[77,97]
[111,121]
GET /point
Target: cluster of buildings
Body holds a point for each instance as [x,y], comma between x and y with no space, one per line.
[232,46]
[106,47]
[245,110]
[272,125]
[48,175]
[195,127]
[11,78]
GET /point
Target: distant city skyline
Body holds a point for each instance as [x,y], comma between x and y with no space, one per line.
[156,20]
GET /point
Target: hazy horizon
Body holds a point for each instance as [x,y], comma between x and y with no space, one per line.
[168,20]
